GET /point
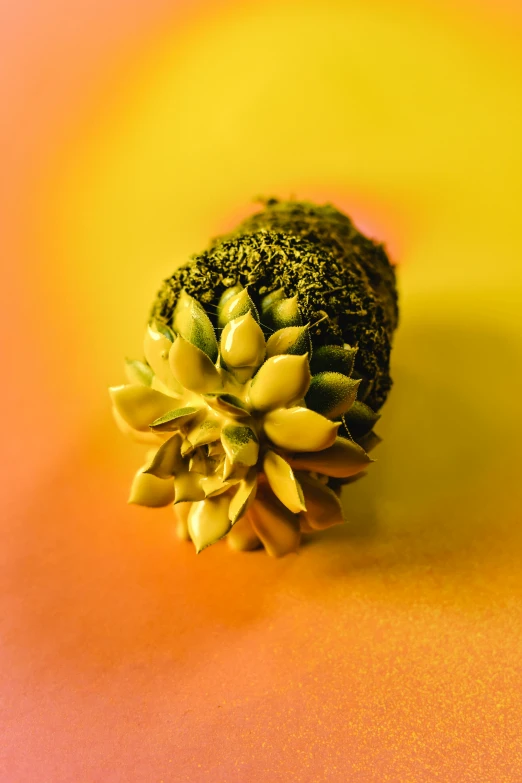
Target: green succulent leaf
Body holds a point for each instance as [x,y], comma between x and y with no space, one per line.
[283,313]
[138,405]
[163,329]
[193,324]
[331,394]
[215,485]
[208,521]
[365,387]
[228,404]
[240,444]
[167,461]
[187,487]
[283,482]
[360,419]
[242,536]
[299,429]
[156,347]
[345,458]
[138,372]
[174,420]
[203,433]
[199,462]
[291,339]
[369,441]
[243,497]
[193,368]
[275,525]
[227,294]
[323,507]
[235,306]
[243,343]
[148,490]
[333,358]
[270,299]
[280,382]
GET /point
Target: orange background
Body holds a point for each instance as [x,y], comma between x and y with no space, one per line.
[389,650]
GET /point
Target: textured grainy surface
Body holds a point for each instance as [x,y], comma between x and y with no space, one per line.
[386,652]
[344,281]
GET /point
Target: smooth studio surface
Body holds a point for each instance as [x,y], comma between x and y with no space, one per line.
[387,650]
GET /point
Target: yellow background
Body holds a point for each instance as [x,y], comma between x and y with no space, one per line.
[385,651]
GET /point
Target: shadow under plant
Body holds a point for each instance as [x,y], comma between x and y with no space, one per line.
[444,485]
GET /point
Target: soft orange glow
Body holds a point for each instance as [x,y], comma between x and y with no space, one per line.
[385,651]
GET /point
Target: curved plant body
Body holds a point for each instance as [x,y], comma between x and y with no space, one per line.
[254,416]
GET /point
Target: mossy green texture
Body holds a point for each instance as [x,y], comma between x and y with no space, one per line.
[344,281]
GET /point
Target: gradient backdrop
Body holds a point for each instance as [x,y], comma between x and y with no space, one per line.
[388,651]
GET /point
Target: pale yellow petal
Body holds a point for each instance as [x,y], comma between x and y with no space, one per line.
[147,490]
[228,405]
[215,485]
[147,438]
[323,507]
[242,537]
[244,496]
[299,429]
[187,487]
[199,462]
[280,382]
[293,339]
[139,405]
[234,306]
[156,348]
[240,443]
[167,460]
[277,528]
[204,432]
[138,372]
[175,419]
[193,324]
[193,368]
[181,512]
[345,458]
[283,482]
[208,521]
[243,342]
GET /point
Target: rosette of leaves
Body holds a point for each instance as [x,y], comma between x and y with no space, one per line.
[251,432]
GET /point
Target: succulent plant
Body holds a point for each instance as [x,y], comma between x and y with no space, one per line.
[255,416]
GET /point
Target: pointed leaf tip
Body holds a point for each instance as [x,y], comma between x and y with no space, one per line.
[234,306]
[331,394]
[323,507]
[345,458]
[292,340]
[240,443]
[243,342]
[283,482]
[138,372]
[193,324]
[360,419]
[148,490]
[283,313]
[174,419]
[139,405]
[277,528]
[193,368]
[208,521]
[299,429]
[280,382]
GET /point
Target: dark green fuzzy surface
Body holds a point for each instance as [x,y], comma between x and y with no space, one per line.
[344,281]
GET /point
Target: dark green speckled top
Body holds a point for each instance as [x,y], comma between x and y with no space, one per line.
[317,253]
